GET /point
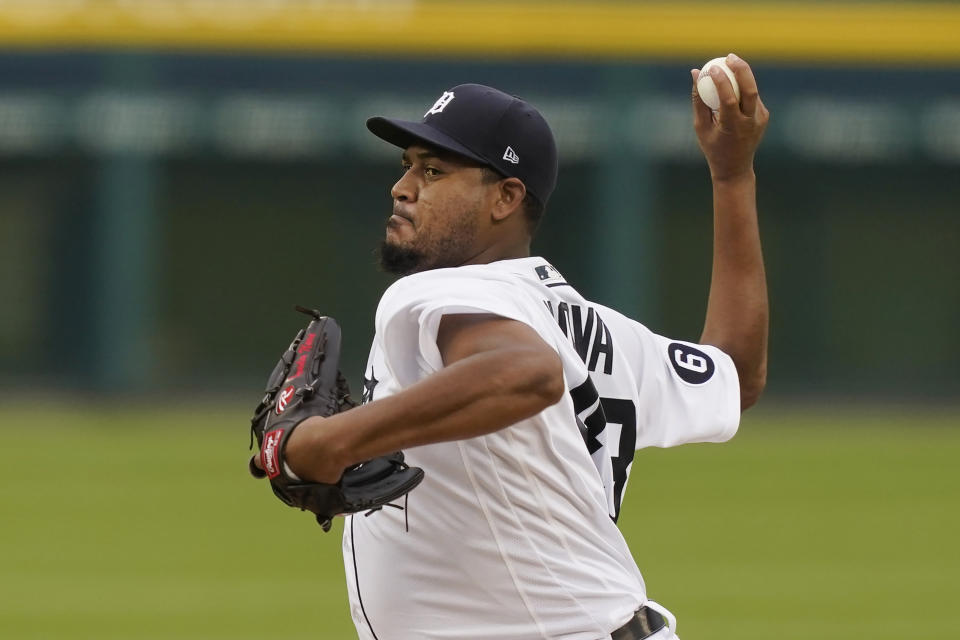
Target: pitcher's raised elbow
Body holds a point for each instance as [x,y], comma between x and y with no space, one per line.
[751,388]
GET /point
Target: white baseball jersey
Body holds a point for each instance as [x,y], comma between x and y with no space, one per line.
[512,535]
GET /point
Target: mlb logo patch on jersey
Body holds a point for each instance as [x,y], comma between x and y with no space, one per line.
[547,272]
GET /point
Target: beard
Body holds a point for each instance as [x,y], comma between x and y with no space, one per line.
[400,261]
[450,247]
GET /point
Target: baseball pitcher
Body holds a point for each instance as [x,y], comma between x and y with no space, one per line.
[517,403]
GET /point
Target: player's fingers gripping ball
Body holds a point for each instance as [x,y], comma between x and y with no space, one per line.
[307,382]
[707,88]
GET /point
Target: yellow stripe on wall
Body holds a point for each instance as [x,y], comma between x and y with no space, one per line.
[820,32]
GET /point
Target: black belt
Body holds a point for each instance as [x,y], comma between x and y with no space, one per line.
[644,623]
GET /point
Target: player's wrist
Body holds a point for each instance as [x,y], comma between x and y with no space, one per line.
[736,178]
[310,456]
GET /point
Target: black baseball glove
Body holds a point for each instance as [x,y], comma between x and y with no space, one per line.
[306,382]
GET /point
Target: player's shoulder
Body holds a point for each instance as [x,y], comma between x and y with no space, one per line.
[456,279]
[436,286]
[429,282]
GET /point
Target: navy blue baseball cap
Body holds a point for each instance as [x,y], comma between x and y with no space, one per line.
[488,126]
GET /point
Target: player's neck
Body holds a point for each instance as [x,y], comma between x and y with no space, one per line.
[502,251]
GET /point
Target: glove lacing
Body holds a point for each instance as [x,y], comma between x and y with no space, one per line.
[406,516]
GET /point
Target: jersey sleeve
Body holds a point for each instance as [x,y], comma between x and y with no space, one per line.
[410,311]
[685,392]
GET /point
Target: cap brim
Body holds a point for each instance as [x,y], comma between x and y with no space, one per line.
[403,133]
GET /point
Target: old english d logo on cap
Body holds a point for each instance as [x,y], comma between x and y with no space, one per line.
[440,104]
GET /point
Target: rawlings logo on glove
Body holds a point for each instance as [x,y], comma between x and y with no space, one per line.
[315,387]
[269,456]
[284,398]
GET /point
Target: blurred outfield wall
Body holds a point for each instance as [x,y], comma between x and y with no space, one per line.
[175,176]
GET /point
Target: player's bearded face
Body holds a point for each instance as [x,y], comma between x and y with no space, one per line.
[437,208]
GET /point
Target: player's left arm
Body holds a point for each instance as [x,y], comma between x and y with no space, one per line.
[737,308]
[496,372]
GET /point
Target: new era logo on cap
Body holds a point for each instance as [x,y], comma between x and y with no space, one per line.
[511,156]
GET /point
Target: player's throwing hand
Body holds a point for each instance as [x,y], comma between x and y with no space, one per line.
[729,137]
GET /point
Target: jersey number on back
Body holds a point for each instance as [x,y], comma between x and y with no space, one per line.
[598,419]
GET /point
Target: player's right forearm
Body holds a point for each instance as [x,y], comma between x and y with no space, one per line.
[472,397]
[737,308]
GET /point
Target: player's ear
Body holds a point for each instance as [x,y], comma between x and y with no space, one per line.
[510,198]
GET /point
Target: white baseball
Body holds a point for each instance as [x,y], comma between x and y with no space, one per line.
[706,87]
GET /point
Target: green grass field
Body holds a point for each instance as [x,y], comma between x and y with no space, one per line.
[141,522]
